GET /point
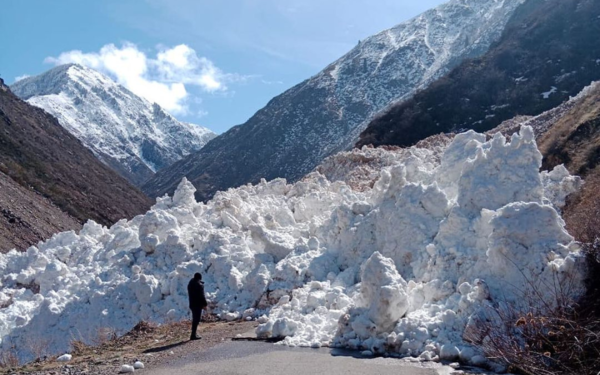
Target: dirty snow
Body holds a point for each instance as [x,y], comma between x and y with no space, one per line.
[403,265]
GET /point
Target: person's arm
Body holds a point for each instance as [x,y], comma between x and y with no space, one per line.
[190,294]
[203,297]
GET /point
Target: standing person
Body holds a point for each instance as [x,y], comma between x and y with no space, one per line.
[197,302]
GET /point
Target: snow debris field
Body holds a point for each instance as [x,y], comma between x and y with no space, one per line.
[406,266]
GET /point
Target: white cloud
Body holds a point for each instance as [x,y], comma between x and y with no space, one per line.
[267,82]
[162,79]
[17,79]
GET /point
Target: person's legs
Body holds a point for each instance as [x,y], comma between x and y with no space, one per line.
[196,313]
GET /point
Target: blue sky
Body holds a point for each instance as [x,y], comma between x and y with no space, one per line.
[211,62]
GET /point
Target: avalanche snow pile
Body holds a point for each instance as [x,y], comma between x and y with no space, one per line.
[405,267]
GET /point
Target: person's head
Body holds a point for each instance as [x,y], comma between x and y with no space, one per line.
[197,276]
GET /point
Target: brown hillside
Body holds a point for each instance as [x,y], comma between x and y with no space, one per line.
[26,217]
[41,156]
[574,140]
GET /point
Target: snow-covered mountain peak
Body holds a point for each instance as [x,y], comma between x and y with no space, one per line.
[392,65]
[127,132]
[62,78]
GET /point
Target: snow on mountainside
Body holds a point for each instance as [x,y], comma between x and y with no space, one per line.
[325,114]
[126,132]
[407,265]
[548,52]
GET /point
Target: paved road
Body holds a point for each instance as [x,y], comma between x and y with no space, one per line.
[250,358]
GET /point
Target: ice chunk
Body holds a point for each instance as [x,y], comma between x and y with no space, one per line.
[126,369]
[64,358]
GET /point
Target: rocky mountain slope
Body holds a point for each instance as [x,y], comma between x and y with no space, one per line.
[27,218]
[549,52]
[131,135]
[44,159]
[325,113]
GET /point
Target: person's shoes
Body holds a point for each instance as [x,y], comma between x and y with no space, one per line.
[196,337]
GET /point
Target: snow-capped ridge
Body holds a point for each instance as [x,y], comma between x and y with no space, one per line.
[125,131]
[325,114]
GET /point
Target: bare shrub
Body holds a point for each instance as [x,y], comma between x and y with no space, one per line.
[39,347]
[9,358]
[566,338]
[144,327]
[104,335]
[80,343]
[548,344]
[548,337]
[78,347]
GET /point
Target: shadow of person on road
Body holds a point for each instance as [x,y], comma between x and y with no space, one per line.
[338,352]
[166,347]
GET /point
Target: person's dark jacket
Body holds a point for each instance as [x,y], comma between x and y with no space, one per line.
[196,294]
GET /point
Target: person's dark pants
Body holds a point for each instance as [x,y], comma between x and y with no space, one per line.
[196,315]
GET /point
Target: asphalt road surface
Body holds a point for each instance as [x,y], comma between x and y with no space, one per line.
[250,358]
